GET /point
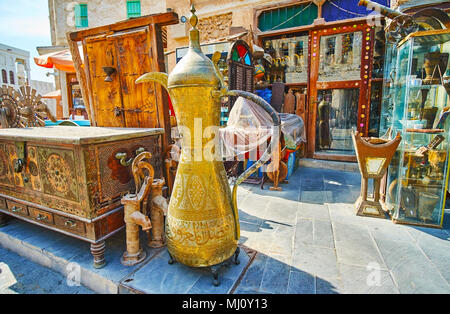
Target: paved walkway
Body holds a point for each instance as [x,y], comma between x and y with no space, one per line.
[310,241]
[307,236]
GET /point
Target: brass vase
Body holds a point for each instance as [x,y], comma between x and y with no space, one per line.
[202,223]
[427,204]
[437,158]
[431,62]
[429,114]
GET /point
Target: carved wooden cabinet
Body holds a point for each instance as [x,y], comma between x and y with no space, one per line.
[71,179]
[114,56]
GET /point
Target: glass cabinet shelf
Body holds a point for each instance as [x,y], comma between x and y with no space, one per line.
[415,100]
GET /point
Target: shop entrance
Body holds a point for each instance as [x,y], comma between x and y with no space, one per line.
[338,88]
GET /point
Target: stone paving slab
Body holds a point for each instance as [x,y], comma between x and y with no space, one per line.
[158,276]
[335,251]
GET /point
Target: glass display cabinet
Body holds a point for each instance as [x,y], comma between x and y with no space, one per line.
[416,104]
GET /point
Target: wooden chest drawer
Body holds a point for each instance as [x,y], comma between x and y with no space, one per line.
[17,208]
[70,224]
[41,215]
[2,203]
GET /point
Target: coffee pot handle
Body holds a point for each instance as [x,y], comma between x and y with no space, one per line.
[267,154]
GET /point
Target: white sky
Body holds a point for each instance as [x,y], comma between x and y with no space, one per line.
[24,24]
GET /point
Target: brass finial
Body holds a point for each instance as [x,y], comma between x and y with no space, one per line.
[193,20]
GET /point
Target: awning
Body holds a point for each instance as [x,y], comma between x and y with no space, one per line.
[53,95]
[61,60]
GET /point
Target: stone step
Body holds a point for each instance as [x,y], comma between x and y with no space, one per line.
[329,164]
[67,256]
[21,276]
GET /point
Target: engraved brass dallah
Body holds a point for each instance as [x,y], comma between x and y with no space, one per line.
[202,224]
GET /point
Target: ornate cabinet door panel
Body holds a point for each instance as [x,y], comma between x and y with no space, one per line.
[57,169]
[32,170]
[139,100]
[106,94]
[6,177]
[115,178]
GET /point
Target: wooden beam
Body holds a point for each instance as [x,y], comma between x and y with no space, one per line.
[157,55]
[81,75]
[161,19]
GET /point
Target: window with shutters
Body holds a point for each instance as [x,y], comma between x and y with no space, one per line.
[81,15]
[287,17]
[133,9]
[11,77]
[4,77]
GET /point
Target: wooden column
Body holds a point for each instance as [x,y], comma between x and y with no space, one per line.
[81,75]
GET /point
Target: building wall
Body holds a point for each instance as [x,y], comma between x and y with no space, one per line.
[43,88]
[100,12]
[9,56]
[215,19]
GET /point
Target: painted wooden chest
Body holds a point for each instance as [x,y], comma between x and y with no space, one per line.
[71,179]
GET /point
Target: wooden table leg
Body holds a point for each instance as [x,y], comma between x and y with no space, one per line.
[3,219]
[98,252]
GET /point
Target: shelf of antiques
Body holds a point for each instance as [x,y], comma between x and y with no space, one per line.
[339,68]
[417,101]
[70,179]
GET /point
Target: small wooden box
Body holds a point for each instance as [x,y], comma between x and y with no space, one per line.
[71,180]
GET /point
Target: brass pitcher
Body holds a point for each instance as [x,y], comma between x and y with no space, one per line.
[202,224]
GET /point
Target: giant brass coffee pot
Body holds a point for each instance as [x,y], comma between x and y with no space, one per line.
[202,224]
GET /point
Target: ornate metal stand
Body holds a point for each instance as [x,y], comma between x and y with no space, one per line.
[215,268]
[373,157]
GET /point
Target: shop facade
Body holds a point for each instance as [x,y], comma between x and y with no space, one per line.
[328,54]
[333,54]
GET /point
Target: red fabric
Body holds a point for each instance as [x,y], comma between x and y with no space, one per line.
[172,113]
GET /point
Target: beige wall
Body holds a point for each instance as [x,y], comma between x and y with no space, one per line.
[100,12]
[241,15]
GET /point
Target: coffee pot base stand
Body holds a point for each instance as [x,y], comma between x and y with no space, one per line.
[215,268]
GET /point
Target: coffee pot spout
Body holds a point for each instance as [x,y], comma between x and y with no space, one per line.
[159,77]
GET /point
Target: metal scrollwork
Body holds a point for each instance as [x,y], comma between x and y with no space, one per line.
[123,157]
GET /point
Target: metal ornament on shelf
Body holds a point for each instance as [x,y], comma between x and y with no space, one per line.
[373,157]
[402,25]
[202,224]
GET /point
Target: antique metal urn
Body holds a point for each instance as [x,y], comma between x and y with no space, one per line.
[202,224]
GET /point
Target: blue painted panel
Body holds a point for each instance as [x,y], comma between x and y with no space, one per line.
[79,122]
[335,10]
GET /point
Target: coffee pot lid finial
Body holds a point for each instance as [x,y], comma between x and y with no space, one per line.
[193,20]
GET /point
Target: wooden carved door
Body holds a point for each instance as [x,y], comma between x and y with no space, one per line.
[118,100]
[139,108]
[340,73]
[107,98]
